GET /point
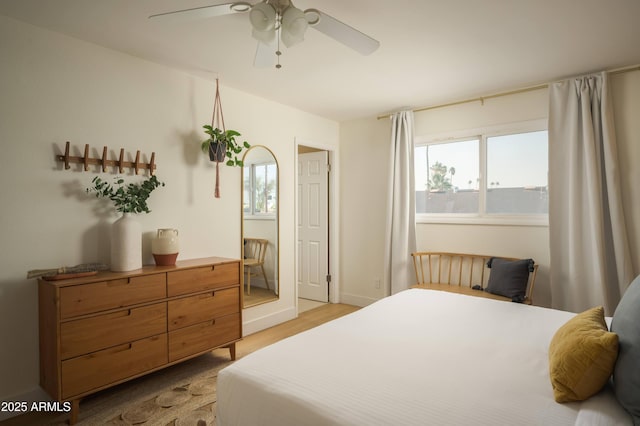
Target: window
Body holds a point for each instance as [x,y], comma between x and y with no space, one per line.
[495,173]
[260,189]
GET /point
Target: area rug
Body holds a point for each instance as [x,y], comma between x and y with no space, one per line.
[183,394]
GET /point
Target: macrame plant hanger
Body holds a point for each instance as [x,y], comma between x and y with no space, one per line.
[218,152]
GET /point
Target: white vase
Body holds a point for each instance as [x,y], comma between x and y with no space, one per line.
[165,247]
[126,244]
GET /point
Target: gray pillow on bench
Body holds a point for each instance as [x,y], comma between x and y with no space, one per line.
[509,278]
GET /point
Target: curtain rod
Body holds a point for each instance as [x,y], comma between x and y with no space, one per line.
[481,99]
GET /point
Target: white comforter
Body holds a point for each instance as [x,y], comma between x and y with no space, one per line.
[417,358]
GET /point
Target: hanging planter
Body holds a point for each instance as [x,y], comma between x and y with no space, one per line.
[217,151]
[221,144]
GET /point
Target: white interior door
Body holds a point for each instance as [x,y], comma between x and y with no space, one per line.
[313,226]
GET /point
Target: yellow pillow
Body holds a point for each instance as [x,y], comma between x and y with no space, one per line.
[582,355]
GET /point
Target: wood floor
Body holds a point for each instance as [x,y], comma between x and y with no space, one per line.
[258,296]
[305,321]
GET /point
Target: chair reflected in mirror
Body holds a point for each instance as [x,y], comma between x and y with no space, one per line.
[255,250]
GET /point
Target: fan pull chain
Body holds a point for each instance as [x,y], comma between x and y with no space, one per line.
[278,52]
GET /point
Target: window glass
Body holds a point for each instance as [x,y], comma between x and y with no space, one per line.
[447,177]
[265,188]
[517,173]
[246,196]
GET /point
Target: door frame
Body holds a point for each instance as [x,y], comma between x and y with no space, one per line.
[334,225]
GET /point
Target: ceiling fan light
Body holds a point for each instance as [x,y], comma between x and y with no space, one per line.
[294,25]
[262,17]
[264,36]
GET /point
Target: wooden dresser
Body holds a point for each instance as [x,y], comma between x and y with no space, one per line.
[101,330]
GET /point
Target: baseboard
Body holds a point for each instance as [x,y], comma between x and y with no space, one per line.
[354,299]
[34,395]
[266,321]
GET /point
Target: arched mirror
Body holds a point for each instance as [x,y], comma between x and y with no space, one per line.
[260,226]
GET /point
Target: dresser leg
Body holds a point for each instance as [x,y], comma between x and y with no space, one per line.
[232,351]
[75,410]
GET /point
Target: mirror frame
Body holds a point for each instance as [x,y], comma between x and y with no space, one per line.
[277,222]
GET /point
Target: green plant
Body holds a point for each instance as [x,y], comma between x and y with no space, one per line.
[128,198]
[439,180]
[228,137]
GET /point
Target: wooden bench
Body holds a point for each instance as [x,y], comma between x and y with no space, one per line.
[460,272]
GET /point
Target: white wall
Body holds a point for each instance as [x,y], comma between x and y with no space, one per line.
[364,178]
[364,150]
[56,89]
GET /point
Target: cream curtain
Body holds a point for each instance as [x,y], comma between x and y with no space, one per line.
[590,259]
[401,226]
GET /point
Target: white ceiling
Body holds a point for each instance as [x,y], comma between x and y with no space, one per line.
[431,51]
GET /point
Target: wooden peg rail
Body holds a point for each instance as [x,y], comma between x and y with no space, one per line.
[104,162]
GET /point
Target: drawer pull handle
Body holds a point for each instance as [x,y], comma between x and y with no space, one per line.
[213,322]
[125,313]
[114,283]
[125,347]
[213,267]
[207,295]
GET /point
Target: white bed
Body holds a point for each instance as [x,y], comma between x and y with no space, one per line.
[419,357]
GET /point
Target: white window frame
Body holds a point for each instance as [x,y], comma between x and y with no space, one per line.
[483,218]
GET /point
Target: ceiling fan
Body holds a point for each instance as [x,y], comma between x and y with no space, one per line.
[274,21]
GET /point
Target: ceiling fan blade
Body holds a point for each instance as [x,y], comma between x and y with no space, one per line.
[341,32]
[265,55]
[201,12]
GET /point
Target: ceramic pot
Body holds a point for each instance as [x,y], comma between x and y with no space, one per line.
[126,244]
[165,247]
[217,151]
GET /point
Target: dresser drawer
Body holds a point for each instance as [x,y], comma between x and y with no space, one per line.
[87,335]
[203,278]
[82,374]
[195,309]
[103,295]
[204,336]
